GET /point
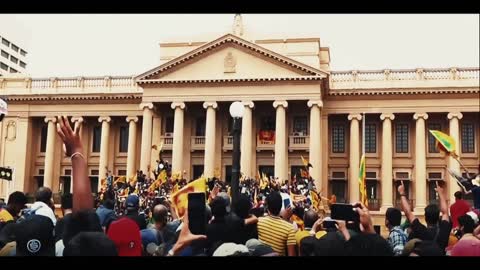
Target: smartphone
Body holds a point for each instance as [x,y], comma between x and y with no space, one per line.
[286,203]
[197,218]
[342,211]
[329,224]
[377,229]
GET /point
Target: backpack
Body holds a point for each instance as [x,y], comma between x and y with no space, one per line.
[26,213]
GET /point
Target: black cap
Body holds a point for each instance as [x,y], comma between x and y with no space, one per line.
[34,237]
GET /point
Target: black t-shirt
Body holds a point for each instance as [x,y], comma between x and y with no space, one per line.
[439,233]
[241,233]
[140,219]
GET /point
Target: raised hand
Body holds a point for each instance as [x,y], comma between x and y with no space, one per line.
[70,138]
[401,188]
[365,218]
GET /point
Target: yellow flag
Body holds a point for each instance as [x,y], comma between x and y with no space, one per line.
[315,199]
[362,183]
[162,177]
[180,198]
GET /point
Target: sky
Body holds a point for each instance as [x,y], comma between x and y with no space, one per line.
[128,44]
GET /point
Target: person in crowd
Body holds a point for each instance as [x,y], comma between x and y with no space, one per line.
[66,205]
[434,231]
[105,212]
[15,204]
[163,232]
[34,237]
[241,222]
[125,233]
[75,223]
[90,244]
[459,208]
[132,206]
[396,237]
[44,204]
[273,230]
[469,243]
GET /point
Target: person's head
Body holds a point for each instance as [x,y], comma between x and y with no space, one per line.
[44,194]
[219,207]
[458,195]
[67,201]
[34,237]
[309,218]
[425,248]
[467,225]
[132,203]
[432,214]
[109,204]
[160,215]
[368,245]
[81,221]
[274,203]
[307,246]
[243,206]
[393,217]
[16,202]
[126,236]
[90,244]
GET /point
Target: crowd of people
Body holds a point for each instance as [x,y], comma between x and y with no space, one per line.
[268,218]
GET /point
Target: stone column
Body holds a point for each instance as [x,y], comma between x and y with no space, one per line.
[281,153]
[387,171]
[49,152]
[420,162]
[353,186]
[132,142]
[315,141]
[102,167]
[452,163]
[146,152]
[246,140]
[177,147]
[209,163]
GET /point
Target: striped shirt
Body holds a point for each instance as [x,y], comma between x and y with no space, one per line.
[276,232]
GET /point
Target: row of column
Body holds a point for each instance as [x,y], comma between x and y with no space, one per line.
[386,159]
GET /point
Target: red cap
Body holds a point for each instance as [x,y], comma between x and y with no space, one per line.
[126,236]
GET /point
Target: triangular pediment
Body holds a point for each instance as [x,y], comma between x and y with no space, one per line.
[230,57]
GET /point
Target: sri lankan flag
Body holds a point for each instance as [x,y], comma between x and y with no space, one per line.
[180,198]
[362,182]
[315,200]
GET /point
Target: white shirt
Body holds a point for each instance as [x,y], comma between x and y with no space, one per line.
[59,248]
[44,210]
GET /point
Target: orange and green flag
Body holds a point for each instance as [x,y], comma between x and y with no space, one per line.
[180,198]
[445,143]
[362,182]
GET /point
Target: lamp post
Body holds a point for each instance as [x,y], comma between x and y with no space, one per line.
[236,111]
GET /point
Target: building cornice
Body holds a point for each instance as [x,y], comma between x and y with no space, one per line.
[187,81]
[403,91]
[23,98]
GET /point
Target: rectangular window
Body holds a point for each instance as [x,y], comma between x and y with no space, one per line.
[432,148]
[370,138]
[94,184]
[5,54]
[122,172]
[43,139]
[13,59]
[433,178]
[339,188]
[169,124]
[401,138]
[200,126]
[338,138]
[67,181]
[3,66]
[23,53]
[268,123]
[468,138]
[268,170]
[300,125]
[228,173]
[197,171]
[23,65]
[123,142]
[15,48]
[5,42]
[12,70]
[97,135]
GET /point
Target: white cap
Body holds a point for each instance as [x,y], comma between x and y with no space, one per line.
[228,249]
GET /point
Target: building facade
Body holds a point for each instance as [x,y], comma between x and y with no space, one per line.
[294,106]
[13,58]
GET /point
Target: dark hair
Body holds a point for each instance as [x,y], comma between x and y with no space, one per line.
[90,244]
[332,244]
[307,246]
[81,221]
[109,204]
[427,248]
[219,207]
[67,201]
[18,198]
[467,223]
[243,206]
[309,218]
[432,214]
[394,216]
[43,194]
[368,245]
[458,195]
[274,203]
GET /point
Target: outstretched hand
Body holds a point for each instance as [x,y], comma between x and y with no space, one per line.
[365,218]
[401,188]
[70,138]
[186,237]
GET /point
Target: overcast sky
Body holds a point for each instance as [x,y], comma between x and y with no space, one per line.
[97,45]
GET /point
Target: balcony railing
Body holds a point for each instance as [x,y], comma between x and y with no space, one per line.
[167,142]
[262,145]
[198,143]
[227,143]
[298,143]
[374,204]
[398,204]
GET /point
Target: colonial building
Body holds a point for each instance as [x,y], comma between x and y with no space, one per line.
[294,106]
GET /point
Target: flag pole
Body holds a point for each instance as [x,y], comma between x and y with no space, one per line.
[363,133]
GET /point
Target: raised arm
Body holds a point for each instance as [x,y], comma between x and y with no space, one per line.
[443,201]
[73,146]
[405,204]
